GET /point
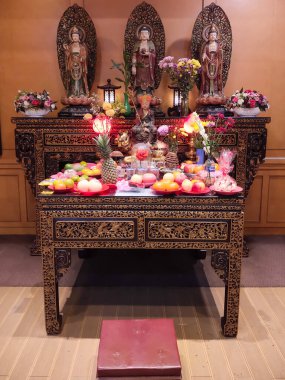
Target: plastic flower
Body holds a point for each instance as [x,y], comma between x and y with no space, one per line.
[87,116]
[171,134]
[33,100]
[208,132]
[194,124]
[182,73]
[116,109]
[110,112]
[163,130]
[142,154]
[106,106]
[248,99]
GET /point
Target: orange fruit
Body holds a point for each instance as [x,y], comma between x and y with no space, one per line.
[198,168]
[59,186]
[171,186]
[159,186]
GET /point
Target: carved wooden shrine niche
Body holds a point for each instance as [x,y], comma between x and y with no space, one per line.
[144,16]
[76,27]
[210,17]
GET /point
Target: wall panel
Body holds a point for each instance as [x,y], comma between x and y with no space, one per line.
[28,50]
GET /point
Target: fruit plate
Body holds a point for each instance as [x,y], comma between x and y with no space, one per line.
[237,190]
[202,192]
[93,193]
[142,185]
[61,191]
[166,192]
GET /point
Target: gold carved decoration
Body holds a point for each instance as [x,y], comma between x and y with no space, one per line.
[95,230]
[187,230]
[73,222]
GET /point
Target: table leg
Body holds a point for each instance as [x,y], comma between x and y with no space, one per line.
[54,262]
[227,265]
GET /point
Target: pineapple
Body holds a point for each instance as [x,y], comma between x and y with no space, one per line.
[109,169]
[171,158]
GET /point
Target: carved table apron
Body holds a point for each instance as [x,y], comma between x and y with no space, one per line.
[143,221]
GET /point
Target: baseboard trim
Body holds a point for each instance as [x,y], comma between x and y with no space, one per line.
[264,231]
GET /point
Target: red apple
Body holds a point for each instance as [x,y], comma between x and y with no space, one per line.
[149,178]
[198,186]
[180,178]
[189,168]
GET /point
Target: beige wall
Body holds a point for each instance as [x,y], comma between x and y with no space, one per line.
[28,58]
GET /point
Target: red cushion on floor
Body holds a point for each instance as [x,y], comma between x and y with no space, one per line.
[138,347]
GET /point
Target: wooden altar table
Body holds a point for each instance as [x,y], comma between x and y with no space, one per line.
[141,220]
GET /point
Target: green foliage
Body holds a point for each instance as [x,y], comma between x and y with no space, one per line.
[124,68]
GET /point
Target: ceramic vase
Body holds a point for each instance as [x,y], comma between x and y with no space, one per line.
[127,104]
[246,112]
[36,112]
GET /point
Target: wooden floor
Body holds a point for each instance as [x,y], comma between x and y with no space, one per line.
[257,353]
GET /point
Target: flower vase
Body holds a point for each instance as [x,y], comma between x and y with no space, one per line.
[127,105]
[184,106]
[246,112]
[200,156]
[210,168]
[36,112]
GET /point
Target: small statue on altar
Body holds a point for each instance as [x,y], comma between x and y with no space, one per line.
[123,142]
[143,61]
[76,64]
[145,131]
[211,90]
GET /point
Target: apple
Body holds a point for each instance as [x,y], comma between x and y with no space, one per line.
[69,183]
[149,178]
[180,177]
[95,185]
[198,168]
[168,177]
[189,168]
[75,178]
[59,186]
[77,167]
[136,178]
[57,182]
[83,185]
[187,185]
[198,186]
[67,166]
[175,173]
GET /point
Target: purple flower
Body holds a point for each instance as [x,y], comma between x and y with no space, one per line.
[163,130]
